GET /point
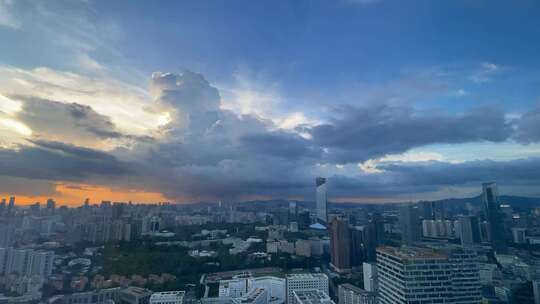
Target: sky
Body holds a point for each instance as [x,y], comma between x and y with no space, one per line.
[187,101]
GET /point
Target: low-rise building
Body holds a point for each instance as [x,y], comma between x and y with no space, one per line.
[312,297]
[305,282]
[350,294]
[167,297]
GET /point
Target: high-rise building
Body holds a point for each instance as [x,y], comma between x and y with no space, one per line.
[26,262]
[11,205]
[350,294]
[410,224]
[378,222]
[293,211]
[118,210]
[363,244]
[304,219]
[305,282]
[496,233]
[468,230]
[42,263]
[18,261]
[427,275]
[7,235]
[340,245]
[536,291]
[519,235]
[369,271]
[358,254]
[51,207]
[432,210]
[3,260]
[322,215]
[371,241]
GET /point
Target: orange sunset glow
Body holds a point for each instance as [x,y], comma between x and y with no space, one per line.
[75,195]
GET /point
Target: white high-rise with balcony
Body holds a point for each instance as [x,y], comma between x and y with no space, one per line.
[427,275]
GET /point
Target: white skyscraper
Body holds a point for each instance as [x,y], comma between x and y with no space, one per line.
[322,215]
[427,275]
[370,276]
[305,282]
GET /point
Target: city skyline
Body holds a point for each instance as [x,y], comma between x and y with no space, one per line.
[186,102]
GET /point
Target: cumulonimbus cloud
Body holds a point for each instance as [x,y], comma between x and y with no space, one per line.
[206,152]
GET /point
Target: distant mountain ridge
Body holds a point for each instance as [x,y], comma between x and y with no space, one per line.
[516,202]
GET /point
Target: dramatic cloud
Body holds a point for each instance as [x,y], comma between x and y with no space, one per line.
[417,177]
[210,152]
[359,134]
[204,152]
[69,122]
[126,105]
[59,161]
[528,127]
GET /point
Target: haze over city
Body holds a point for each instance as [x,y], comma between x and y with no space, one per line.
[269,152]
[205,101]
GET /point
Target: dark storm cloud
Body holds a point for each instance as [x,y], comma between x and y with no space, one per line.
[60,161]
[281,144]
[418,177]
[206,152]
[528,127]
[359,134]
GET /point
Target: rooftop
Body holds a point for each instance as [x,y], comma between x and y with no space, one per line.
[305,275]
[412,253]
[354,288]
[312,297]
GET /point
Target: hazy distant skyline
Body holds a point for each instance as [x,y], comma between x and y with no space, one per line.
[231,100]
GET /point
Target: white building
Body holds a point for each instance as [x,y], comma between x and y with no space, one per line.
[350,294]
[26,262]
[369,271]
[437,228]
[305,282]
[234,288]
[429,228]
[411,274]
[167,297]
[274,286]
[519,235]
[254,296]
[311,297]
